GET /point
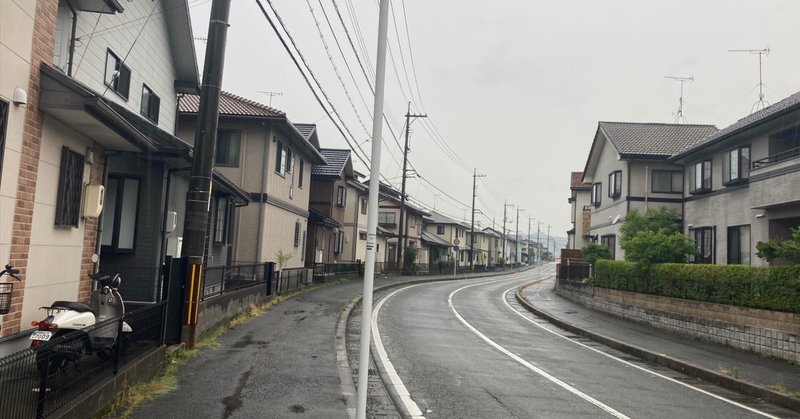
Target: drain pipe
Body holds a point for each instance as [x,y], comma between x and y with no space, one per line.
[261,198]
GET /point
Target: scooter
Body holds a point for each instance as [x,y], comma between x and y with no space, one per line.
[73,329]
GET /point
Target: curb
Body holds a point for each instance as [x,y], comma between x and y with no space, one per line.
[349,390]
[714,377]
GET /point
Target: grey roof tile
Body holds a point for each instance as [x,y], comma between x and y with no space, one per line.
[337,161]
[230,104]
[306,130]
[633,139]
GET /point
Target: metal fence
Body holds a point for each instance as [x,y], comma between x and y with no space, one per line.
[290,279]
[574,269]
[36,382]
[219,279]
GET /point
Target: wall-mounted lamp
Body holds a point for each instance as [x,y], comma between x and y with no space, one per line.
[20,97]
[760,215]
[689,225]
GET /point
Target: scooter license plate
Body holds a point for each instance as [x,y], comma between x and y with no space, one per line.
[41,335]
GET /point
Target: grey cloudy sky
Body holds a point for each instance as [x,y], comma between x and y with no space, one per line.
[515,87]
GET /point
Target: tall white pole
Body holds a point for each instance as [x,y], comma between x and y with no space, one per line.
[372,212]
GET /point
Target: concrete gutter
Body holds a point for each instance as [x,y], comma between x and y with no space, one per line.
[722,380]
[349,390]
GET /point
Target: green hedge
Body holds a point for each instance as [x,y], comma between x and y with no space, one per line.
[776,288]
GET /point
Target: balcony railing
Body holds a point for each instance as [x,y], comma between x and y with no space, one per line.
[776,158]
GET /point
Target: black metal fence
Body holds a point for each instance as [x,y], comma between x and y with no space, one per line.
[220,279]
[290,279]
[37,381]
[574,269]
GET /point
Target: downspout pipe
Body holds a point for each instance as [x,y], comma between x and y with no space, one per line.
[262,198]
[72,37]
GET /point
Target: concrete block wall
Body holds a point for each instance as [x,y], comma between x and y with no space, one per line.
[768,333]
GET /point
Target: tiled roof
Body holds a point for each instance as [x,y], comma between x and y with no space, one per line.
[632,139]
[230,104]
[434,239]
[337,160]
[576,182]
[786,105]
[306,130]
[436,218]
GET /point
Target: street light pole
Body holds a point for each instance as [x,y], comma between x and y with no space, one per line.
[372,212]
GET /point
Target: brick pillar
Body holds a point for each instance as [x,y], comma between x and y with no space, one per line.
[44,29]
[90,229]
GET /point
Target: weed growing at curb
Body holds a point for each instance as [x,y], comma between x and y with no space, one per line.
[136,395]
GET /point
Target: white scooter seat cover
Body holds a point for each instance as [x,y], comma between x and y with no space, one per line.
[73,305]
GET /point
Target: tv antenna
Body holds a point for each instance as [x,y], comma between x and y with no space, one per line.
[271,95]
[761,104]
[679,118]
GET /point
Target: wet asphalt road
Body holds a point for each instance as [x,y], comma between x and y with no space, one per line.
[479,358]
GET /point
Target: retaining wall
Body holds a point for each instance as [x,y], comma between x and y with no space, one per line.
[765,332]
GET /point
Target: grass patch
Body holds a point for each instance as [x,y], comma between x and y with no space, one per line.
[136,395]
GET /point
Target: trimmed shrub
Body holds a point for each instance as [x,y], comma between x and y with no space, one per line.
[776,288]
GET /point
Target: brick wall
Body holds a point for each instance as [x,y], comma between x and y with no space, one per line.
[769,333]
[90,230]
[42,51]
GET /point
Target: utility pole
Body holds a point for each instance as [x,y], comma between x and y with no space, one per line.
[548,237]
[516,237]
[475,177]
[198,196]
[372,212]
[538,244]
[505,206]
[401,239]
[529,239]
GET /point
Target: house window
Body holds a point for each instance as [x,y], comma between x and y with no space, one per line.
[704,241]
[222,221]
[228,148]
[63,35]
[118,75]
[412,221]
[303,252]
[120,213]
[736,165]
[739,245]
[667,181]
[150,104]
[282,159]
[387,218]
[439,229]
[364,206]
[615,184]
[3,124]
[338,242]
[362,235]
[610,241]
[341,194]
[297,227]
[597,191]
[700,177]
[300,174]
[70,185]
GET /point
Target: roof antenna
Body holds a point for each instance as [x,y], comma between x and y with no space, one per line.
[761,104]
[271,95]
[679,118]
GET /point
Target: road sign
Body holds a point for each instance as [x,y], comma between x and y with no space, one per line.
[456,242]
[455,248]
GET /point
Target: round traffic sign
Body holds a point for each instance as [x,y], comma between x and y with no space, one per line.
[456,242]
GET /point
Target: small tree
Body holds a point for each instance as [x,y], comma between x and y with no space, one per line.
[654,237]
[281,258]
[787,249]
[593,251]
[411,253]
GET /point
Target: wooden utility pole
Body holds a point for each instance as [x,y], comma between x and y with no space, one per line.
[475,177]
[401,240]
[198,196]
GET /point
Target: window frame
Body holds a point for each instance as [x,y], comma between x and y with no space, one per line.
[341,196]
[362,235]
[702,166]
[117,221]
[223,237]
[735,240]
[700,245]
[4,110]
[597,192]
[297,227]
[385,215]
[301,172]
[672,182]
[338,242]
[439,229]
[153,101]
[124,75]
[615,184]
[742,166]
[228,161]
[610,242]
[70,188]
[364,203]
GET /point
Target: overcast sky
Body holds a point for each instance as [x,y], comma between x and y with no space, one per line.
[514,87]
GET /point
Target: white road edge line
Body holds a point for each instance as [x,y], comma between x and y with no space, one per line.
[737,404]
[396,381]
[527,364]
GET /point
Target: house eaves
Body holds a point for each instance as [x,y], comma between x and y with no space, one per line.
[181,42]
[749,122]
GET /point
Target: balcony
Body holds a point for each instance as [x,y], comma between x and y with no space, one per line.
[779,163]
[777,158]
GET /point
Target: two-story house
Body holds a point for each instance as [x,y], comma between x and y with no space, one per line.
[355,225]
[328,238]
[444,233]
[742,185]
[87,173]
[263,153]
[494,245]
[389,205]
[628,168]
[580,212]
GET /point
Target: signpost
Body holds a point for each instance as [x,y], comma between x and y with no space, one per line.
[455,255]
